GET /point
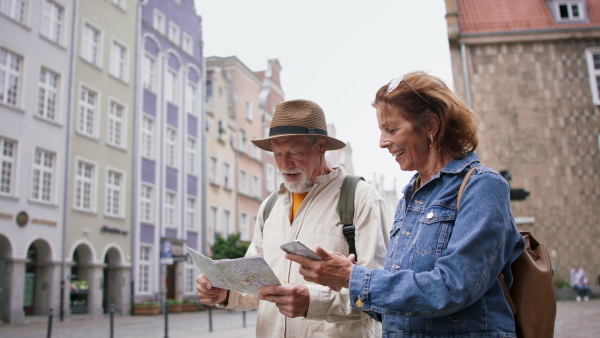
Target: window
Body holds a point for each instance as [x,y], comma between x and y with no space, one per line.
[171,87]
[144,272]
[221,131]
[191,156]
[170,199]
[226,223]
[190,213]
[146,205]
[255,151]
[174,33]
[226,175]
[170,145]
[115,125]
[48,94]
[188,44]
[593,63]
[8,154]
[148,73]
[158,22]
[190,276]
[15,9]
[243,188]
[212,170]
[569,11]
[90,44]
[52,17]
[249,110]
[84,186]
[10,74]
[118,59]
[255,187]
[190,99]
[244,227]
[212,224]
[87,112]
[242,141]
[43,176]
[114,193]
[270,177]
[147,137]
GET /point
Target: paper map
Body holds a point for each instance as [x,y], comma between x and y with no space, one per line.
[247,274]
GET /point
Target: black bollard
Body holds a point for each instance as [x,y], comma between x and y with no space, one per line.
[49,333]
[244,317]
[210,319]
[166,311]
[112,322]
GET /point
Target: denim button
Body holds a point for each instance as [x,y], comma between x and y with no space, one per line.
[430,215]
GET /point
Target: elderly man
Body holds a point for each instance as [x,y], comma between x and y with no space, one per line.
[306,210]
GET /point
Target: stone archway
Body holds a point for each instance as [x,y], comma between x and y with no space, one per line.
[38,283]
[5,276]
[112,281]
[81,277]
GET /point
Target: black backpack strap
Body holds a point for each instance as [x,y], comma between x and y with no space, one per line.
[269,207]
[346,209]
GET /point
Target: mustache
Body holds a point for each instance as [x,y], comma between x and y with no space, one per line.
[293,171]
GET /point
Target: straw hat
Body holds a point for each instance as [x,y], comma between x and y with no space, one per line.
[298,117]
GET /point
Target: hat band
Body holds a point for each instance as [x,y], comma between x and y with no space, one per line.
[296,130]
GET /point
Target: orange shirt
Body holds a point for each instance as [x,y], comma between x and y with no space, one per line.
[297,202]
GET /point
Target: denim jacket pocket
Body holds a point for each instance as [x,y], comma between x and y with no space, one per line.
[431,239]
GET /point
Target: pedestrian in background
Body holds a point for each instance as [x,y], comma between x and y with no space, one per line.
[579,282]
[441,276]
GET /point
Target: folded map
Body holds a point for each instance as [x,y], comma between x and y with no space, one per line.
[247,274]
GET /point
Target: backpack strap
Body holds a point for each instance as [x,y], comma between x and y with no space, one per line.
[462,187]
[269,207]
[346,209]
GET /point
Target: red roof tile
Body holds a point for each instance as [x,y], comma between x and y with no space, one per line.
[502,16]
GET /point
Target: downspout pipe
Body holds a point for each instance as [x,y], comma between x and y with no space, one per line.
[63,266]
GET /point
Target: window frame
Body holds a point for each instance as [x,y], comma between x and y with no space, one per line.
[144,270]
[174,33]
[170,209]
[10,73]
[40,179]
[190,213]
[146,203]
[94,48]
[92,181]
[46,89]
[191,98]
[12,13]
[149,72]
[159,26]
[191,160]
[114,120]
[112,190]
[11,160]
[83,119]
[593,73]
[52,27]
[147,136]
[171,147]
[119,66]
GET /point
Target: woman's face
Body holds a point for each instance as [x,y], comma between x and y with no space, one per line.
[409,147]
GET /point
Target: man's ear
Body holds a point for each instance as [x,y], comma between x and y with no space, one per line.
[322,143]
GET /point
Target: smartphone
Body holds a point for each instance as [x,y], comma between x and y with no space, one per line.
[298,248]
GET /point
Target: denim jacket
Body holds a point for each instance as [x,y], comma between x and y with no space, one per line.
[441,272]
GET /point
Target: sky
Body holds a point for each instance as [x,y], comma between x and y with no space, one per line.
[336,53]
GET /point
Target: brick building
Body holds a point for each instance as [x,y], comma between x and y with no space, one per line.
[530,69]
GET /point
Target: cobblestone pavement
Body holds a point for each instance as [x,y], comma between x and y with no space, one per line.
[573,320]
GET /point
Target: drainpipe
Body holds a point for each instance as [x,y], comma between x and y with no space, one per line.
[71,89]
[463,54]
[203,153]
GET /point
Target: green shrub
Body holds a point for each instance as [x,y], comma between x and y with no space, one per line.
[229,248]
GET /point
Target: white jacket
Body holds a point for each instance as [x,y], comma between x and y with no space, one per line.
[317,222]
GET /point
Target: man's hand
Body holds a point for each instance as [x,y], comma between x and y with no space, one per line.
[209,295]
[333,271]
[291,299]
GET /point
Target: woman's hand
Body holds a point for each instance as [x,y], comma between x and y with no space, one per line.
[333,271]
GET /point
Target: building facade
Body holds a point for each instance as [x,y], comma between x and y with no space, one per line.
[169,160]
[100,169]
[530,71]
[35,68]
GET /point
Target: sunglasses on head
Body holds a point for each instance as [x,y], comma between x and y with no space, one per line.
[395,82]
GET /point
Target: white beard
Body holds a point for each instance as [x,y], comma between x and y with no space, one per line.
[300,186]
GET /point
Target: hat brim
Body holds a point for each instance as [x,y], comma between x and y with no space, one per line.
[265,143]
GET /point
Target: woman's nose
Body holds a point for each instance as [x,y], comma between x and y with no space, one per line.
[383,141]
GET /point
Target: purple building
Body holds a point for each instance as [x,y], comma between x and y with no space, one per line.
[169,160]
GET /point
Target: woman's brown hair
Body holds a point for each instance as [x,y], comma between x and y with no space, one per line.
[419,94]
